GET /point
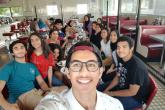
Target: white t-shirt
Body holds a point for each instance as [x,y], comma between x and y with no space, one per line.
[106,48]
[67,101]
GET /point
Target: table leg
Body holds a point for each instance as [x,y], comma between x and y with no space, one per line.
[162,57]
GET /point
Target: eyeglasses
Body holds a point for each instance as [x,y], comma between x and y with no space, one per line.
[91,65]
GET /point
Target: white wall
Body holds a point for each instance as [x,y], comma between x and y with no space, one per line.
[69,7]
[159,7]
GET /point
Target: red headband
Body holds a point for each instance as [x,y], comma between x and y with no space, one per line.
[83,48]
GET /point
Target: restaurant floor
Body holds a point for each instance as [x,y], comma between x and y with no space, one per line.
[157,104]
[159,75]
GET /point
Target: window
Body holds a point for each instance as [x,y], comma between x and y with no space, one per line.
[5,11]
[128,6]
[16,11]
[82,9]
[147,6]
[112,7]
[52,10]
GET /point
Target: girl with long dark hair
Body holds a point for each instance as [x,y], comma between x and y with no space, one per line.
[40,55]
[105,42]
[87,26]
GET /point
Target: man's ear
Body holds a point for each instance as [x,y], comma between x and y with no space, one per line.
[101,71]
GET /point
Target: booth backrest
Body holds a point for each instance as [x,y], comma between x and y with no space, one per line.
[153,88]
[12,28]
[110,18]
[132,22]
[114,18]
[148,30]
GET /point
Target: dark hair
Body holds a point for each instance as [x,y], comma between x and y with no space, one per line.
[53,25]
[44,46]
[56,46]
[14,43]
[100,20]
[129,40]
[87,16]
[95,50]
[86,23]
[94,22]
[116,31]
[51,31]
[64,29]
[114,44]
[58,21]
[100,25]
[108,35]
[35,19]
[69,23]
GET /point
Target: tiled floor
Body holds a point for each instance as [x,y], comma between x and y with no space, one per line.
[159,101]
[156,66]
[157,104]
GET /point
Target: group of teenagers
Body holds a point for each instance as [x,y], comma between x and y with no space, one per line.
[101,73]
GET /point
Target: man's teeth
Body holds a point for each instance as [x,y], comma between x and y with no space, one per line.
[83,81]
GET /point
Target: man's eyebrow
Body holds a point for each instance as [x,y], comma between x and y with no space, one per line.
[124,45]
[22,46]
[75,60]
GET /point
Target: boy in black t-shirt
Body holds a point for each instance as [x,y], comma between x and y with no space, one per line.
[132,79]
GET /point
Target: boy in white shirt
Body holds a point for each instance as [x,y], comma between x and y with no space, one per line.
[84,68]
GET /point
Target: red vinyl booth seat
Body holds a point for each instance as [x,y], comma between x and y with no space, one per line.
[153,88]
[12,28]
[146,46]
[110,18]
[113,19]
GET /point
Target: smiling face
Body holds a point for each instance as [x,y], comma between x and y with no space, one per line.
[19,50]
[99,20]
[72,23]
[54,35]
[113,37]
[35,41]
[56,53]
[58,26]
[104,34]
[98,28]
[94,26]
[84,81]
[86,18]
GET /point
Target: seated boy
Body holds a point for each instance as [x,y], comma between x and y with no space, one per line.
[84,73]
[19,77]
